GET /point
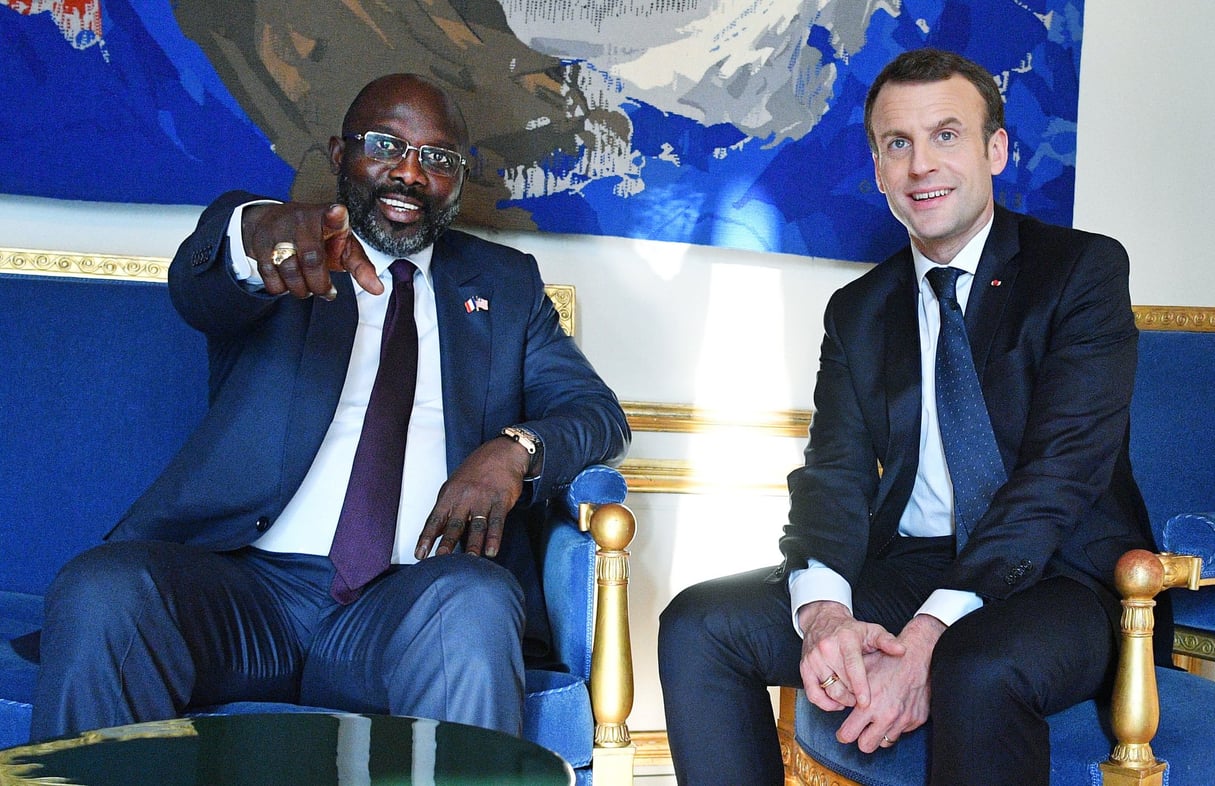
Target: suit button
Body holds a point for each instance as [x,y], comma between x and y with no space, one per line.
[263,523]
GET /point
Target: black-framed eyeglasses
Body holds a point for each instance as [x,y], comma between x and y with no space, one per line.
[391,150]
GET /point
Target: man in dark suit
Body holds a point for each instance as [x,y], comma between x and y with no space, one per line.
[881,610]
[224,580]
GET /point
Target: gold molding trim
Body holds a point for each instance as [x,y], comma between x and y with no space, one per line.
[678,418]
[38,262]
[563,298]
[1199,319]
[688,419]
[1194,643]
[77,265]
[673,476]
[653,750]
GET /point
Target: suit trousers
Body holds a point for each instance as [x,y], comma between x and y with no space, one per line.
[996,673]
[148,630]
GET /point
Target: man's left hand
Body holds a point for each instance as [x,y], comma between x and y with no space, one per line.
[473,503]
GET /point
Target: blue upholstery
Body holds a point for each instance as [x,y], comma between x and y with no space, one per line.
[1173,444]
[101,383]
[1173,455]
[1193,533]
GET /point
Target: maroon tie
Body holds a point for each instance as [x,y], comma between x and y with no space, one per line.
[362,545]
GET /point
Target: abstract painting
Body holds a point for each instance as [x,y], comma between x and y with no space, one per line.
[733,123]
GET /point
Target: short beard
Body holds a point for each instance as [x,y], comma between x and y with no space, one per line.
[361,205]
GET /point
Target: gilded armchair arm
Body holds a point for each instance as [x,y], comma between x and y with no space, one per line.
[612,526]
[1135,709]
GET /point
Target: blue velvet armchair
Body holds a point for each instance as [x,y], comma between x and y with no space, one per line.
[1156,729]
[102,382]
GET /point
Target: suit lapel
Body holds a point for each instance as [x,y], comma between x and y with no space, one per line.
[465,347]
[324,361]
[902,376]
[994,280]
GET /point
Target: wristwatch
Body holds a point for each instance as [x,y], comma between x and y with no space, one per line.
[531,442]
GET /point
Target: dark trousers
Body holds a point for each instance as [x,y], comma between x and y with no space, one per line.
[143,630]
[996,673]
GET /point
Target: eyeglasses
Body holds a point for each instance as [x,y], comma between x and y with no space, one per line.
[391,150]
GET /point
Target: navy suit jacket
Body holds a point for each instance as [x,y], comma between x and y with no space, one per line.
[278,364]
[1055,345]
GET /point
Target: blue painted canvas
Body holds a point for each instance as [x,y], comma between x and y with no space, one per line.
[734,123]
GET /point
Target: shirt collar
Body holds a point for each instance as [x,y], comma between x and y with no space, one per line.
[967,260]
[380,261]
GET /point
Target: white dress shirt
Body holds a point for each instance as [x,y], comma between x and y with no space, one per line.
[929,511]
[307,524]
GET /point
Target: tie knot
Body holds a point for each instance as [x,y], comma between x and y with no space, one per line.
[402,271]
[944,282]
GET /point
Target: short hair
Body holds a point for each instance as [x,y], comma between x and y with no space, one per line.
[937,65]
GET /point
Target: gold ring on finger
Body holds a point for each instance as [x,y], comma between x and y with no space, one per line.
[281,252]
[827,683]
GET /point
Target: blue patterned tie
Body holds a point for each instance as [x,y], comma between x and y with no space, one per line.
[970,445]
[367,526]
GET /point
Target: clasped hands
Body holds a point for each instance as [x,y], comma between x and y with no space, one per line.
[311,241]
[884,678]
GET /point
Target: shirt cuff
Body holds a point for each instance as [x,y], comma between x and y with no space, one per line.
[814,582]
[244,267]
[949,605]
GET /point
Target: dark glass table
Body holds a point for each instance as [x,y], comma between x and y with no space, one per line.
[292,749]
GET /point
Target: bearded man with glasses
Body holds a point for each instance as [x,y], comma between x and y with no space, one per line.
[347,526]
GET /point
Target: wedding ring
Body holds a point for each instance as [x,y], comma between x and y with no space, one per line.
[281,252]
[482,518]
[827,683]
[887,740]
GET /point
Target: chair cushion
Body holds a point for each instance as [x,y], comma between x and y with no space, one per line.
[20,617]
[14,723]
[1193,533]
[557,715]
[1079,739]
[569,594]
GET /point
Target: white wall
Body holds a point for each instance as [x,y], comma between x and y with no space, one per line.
[740,330]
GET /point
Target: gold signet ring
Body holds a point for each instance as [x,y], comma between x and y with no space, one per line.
[281,252]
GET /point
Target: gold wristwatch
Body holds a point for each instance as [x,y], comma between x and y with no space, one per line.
[531,442]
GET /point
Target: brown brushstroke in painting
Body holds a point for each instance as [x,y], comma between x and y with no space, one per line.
[294,68]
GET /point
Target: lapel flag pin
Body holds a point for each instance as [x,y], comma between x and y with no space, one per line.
[476,304]
[995,282]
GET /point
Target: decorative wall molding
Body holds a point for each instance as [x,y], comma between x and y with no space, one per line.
[67,263]
[563,298]
[1195,643]
[675,476]
[653,749]
[688,419]
[156,270]
[1197,318]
